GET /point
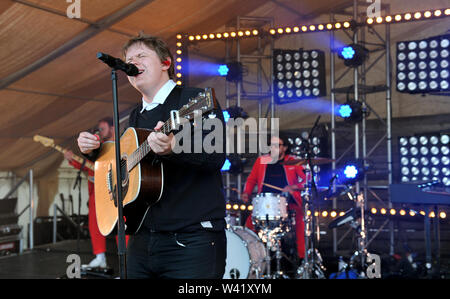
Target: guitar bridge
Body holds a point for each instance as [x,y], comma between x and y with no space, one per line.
[109,185]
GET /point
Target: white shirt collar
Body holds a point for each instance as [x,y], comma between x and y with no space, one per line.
[160,96]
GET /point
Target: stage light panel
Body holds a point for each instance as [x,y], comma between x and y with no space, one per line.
[298,75]
[423,65]
[425,157]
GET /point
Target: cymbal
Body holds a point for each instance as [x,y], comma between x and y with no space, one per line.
[314,161]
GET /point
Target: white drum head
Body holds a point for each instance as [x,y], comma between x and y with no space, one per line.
[238,258]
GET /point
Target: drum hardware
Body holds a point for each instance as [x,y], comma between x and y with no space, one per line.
[311,266]
[361,252]
[357,220]
[272,239]
[269,217]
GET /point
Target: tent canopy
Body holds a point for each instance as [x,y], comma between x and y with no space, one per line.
[52,84]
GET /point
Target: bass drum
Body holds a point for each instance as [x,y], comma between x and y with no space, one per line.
[245,254]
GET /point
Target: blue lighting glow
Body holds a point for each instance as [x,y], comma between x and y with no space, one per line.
[223,70]
[345,110]
[226,166]
[350,171]
[347,52]
[226,115]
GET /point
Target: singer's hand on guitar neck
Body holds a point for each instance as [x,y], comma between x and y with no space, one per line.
[88,142]
[159,142]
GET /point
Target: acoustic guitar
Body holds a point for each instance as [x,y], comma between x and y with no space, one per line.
[48,142]
[142,174]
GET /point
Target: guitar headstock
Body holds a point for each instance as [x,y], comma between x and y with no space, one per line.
[44,140]
[203,103]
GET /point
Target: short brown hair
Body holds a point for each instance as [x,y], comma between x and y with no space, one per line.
[107,120]
[154,43]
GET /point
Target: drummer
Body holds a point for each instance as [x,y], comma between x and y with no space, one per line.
[270,175]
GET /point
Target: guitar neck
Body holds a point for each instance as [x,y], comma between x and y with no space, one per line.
[144,148]
[80,160]
[202,103]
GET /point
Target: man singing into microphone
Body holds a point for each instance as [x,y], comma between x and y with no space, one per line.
[183,234]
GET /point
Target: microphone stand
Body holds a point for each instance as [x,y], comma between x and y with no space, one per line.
[120,222]
[131,70]
[78,183]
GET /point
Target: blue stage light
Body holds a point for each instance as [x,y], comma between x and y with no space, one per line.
[223,70]
[226,115]
[345,110]
[350,171]
[351,111]
[226,166]
[353,55]
[348,52]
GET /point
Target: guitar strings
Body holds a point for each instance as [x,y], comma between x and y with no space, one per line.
[144,148]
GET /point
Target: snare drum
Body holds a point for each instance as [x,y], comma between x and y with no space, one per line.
[269,206]
[245,254]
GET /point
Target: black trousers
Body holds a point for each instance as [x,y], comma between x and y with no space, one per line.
[194,255]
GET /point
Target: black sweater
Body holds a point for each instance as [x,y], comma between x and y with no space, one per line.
[193,190]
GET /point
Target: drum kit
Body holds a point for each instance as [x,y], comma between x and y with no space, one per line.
[250,254]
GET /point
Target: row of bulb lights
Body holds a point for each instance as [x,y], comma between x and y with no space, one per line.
[334,214]
[428,14]
[320,27]
[438,13]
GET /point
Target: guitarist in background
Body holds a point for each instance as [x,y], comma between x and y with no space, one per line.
[183,234]
[98,241]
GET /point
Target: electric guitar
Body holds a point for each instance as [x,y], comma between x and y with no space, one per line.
[48,142]
[142,179]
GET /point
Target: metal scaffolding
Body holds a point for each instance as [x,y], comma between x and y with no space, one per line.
[359,90]
[242,87]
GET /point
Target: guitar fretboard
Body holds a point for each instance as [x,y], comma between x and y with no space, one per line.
[144,148]
[80,160]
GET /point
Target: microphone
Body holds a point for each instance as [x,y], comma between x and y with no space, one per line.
[118,64]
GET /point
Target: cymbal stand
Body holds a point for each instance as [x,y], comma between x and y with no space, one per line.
[267,258]
[311,266]
[277,235]
[361,252]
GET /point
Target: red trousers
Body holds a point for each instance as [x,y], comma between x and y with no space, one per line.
[98,241]
[299,229]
